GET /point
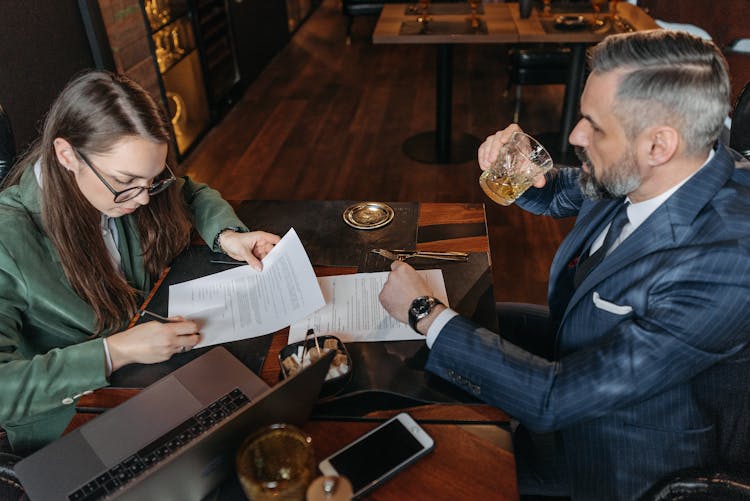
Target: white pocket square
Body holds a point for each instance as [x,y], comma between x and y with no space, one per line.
[611,307]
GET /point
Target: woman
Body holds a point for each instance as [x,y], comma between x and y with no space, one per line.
[90,217]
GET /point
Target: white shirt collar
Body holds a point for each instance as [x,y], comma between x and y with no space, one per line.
[38,171]
[639,212]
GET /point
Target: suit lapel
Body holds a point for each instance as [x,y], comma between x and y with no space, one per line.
[583,231]
[131,256]
[30,197]
[666,226]
[589,224]
[655,233]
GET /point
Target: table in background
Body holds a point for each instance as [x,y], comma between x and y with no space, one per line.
[473,454]
[503,26]
[531,30]
[441,146]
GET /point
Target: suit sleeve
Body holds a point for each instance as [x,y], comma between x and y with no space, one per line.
[697,316]
[211,213]
[560,197]
[39,384]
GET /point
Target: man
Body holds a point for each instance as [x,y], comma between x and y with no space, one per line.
[649,341]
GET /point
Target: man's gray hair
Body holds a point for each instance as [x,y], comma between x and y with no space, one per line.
[670,78]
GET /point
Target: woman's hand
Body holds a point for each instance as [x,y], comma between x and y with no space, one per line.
[152,342]
[403,286]
[250,247]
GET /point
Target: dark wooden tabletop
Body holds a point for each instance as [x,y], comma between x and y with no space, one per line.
[473,457]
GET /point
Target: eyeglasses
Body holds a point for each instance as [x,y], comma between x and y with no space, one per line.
[131,193]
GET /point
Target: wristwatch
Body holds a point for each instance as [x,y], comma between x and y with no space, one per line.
[420,308]
[217,242]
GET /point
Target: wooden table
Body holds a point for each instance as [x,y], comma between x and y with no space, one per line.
[473,456]
[504,26]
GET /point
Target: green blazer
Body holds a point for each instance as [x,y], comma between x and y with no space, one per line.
[49,356]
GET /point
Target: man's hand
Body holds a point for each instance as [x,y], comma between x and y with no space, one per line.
[250,247]
[404,285]
[490,149]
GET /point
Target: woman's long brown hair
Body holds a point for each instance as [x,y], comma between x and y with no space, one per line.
[93,113]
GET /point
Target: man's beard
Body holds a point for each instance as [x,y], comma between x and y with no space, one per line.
[619,180]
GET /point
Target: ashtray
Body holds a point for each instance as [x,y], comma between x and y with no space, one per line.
[368,215]
[295,356]
[570,22]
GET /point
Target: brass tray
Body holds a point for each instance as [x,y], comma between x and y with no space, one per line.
[368,215]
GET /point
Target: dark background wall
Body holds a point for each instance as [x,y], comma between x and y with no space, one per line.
[42,45]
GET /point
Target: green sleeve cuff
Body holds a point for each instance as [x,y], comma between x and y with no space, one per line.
[86,365]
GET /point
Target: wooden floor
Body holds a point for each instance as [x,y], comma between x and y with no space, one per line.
[326,121]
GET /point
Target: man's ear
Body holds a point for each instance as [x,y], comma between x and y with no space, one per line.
[65,154]
[659,145]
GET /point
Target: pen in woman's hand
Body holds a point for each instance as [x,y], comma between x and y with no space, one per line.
[227,261]
[153,315]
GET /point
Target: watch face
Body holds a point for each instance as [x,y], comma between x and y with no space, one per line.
[420,306]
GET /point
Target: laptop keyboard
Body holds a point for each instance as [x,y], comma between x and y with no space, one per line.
[183,434]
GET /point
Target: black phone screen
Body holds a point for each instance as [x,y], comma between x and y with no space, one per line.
[376,454]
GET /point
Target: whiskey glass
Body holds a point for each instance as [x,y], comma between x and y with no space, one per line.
[521,160]
[276,463]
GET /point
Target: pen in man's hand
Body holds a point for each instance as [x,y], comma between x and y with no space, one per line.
[224,261]
[155,316]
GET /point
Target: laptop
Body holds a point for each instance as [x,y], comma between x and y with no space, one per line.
[176,439]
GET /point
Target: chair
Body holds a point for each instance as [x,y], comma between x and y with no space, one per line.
[536,65]
[10,486]
[700,484]
[739,134]
[7,145]
[352,8]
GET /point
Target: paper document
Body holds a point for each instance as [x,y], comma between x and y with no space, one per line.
[240,303]
[353,311]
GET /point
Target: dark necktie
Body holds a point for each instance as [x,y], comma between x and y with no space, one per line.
[589,262]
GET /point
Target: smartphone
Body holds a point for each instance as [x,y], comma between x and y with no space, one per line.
[376,456]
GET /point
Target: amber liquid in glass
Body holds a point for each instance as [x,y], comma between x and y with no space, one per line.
[503,189]
[277,465]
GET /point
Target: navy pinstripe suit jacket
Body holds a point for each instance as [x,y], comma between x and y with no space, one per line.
[651,348]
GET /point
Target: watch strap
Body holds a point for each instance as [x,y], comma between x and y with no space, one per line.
[217,242]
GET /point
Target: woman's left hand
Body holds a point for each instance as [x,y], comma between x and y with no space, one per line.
[250,247]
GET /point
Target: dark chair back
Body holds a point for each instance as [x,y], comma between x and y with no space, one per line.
[7,145]
[702,484]
[739,135]
[536,65]
[10,487]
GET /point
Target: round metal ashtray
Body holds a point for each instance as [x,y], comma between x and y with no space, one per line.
[570,22]
[368,215]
